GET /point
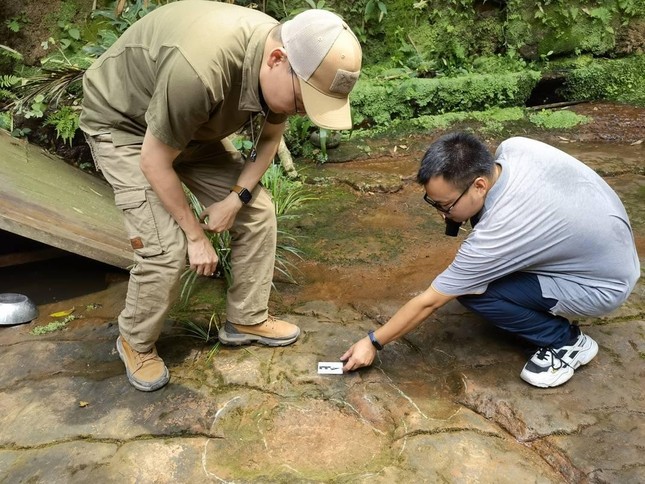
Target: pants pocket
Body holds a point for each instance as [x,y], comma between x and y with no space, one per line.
[140,222]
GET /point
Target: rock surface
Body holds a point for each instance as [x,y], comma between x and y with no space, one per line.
[445,404]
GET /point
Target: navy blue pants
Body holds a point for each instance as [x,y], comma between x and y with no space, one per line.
[514,303]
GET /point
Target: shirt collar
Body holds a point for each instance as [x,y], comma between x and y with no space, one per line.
[496,190]
[250,99]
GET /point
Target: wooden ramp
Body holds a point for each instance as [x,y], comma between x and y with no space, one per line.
[45,199]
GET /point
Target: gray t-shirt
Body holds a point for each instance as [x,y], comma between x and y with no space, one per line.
[551,215]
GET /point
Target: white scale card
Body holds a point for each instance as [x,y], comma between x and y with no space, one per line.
[330,367]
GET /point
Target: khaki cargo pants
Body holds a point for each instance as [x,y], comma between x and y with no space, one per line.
[160,248]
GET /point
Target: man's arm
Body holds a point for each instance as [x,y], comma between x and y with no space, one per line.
[222,214]
[156,165]
[415,311]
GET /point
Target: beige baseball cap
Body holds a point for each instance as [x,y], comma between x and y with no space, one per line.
[326,56]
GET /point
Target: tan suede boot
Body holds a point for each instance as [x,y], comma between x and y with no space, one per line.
[146,371]
[272,332]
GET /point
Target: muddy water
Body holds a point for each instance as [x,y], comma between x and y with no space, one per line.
[399,245]
[379,250]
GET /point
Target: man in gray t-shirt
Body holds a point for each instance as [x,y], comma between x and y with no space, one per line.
[551,240]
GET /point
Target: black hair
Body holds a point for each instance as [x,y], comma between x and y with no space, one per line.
[457,157]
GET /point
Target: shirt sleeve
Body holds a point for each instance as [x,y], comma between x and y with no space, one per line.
[180,103]
[474,267]
[276,118]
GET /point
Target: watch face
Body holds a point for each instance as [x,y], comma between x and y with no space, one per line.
[245,196]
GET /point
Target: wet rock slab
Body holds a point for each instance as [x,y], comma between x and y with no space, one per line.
[446,404]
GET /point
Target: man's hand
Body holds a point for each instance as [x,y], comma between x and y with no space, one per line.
[221,215]
[361,354]
[202,256]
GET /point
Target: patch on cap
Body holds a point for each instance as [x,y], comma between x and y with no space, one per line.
[344,81]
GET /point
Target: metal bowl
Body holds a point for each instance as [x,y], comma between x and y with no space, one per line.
[16,309]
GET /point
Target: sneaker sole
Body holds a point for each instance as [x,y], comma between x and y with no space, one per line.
[144,387]
[561,380]
[240,339]
[582,358]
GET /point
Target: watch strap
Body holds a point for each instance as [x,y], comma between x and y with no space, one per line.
[243,193]
[374,341]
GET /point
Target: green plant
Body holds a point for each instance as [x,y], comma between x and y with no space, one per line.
[323,145]
[48,87]
[381,102]
[242,144]
[206,334]
[288,195]
[15,24]
[557,119]
[375,9]
[12,54]
[311,4]
[613,79]
[53,326]
[117,23]
[6,121]
[296,136]
[7,83]
[365,17]
[120,21]
[65,121]
[221,243]
[70,35]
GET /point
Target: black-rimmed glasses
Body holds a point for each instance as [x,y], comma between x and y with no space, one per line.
[437,206]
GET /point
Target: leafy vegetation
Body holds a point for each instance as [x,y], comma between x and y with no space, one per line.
[557,119]
[287,195]
[422,58]
[613,79]
[378,103]
[53,326]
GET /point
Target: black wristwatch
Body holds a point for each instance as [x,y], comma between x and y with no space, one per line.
[243,193]
[374,341]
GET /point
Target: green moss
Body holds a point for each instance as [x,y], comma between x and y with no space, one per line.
[382,104]
[53,326]
[379,103]
[557,119]
[616,80]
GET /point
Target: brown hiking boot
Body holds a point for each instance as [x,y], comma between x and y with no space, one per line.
[272,332]
[146,371]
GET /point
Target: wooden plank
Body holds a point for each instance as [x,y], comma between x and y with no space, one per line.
[47,200]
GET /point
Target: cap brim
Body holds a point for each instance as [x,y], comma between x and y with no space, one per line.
[325,111]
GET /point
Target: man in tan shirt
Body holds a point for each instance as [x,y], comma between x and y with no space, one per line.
[158,106]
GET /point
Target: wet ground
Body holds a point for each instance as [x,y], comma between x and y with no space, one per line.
[443,405]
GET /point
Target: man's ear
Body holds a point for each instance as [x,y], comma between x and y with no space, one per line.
[276,56]
[482,184]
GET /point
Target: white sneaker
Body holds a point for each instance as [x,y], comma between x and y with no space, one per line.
[550,367]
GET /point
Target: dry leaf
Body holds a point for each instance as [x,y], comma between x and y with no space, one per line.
[83,404]
[640,141]
[62,314]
